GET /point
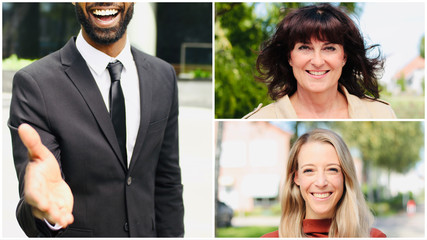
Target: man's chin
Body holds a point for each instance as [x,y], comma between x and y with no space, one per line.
[105,38]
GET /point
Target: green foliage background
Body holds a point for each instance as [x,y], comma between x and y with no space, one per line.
[238,34]
[240,30]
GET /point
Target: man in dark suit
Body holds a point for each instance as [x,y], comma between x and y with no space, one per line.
[81,171]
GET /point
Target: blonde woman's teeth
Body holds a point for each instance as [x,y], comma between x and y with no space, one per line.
[321,195]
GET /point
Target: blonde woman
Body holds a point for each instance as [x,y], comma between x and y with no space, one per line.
[320,194]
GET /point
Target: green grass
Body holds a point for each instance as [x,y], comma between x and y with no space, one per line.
[244,232]
[411,107]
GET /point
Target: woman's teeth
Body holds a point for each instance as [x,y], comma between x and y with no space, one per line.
[317,73]
[321,195]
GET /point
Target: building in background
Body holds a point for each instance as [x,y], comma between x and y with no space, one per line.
[410,78]
[179,33]
[253,158]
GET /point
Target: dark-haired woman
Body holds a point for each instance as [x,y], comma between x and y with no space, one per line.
[316,66]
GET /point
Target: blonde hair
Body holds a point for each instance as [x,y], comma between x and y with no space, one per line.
[352,216]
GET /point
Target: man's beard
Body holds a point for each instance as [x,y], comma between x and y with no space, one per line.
[104,36]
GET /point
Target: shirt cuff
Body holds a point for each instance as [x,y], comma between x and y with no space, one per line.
[54,228]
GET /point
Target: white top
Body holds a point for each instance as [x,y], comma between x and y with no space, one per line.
[97,62]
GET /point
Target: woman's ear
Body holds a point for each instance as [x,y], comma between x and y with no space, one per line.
[296,179]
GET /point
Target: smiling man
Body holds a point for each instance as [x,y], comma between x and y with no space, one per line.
[95,136]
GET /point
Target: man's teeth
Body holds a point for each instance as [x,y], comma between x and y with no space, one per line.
[321,195]
[105,12]
[317,73]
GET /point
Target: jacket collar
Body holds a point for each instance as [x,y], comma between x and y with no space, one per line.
[146,76]
[77,70]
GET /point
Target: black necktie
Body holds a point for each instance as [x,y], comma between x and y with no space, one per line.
[117,106]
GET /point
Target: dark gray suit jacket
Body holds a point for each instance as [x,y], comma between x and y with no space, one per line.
[58,96]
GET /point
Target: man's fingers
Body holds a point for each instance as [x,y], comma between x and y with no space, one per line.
[59,216]
[54,215]
[31,140]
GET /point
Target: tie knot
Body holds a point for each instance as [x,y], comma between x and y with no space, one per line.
[115,70]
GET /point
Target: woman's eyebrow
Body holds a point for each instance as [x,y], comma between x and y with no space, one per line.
[307,165]
[333,164]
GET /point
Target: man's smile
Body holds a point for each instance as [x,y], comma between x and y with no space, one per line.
[105,16]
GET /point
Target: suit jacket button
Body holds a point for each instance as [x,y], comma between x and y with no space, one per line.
[126,227]
[129,181]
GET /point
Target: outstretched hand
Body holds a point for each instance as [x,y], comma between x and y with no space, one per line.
[45,190]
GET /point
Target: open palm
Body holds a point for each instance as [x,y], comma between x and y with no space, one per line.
[44,189]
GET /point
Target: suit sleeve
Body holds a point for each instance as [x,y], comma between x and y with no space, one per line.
[28,106]
[168,190]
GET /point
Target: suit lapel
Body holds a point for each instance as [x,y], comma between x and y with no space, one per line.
[77,70]
[145,90]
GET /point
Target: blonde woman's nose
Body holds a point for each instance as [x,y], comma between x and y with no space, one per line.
[321,180]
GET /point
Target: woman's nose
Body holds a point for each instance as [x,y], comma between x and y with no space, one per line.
[321,180]
[317,59]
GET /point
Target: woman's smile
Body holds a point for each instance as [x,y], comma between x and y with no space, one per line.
[321,196]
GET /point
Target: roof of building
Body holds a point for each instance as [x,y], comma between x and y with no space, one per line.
[416,64]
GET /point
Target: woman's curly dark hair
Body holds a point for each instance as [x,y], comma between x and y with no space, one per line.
[325,23]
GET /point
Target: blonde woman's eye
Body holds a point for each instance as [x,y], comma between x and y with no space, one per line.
[307,171]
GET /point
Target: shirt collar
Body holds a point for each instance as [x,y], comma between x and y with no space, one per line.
[97,60]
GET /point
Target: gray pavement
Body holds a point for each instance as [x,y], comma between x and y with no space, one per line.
[403,225]
[195,127]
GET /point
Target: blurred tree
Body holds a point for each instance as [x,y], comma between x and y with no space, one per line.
[301,127]
[422,47]
[238,34]
[393,146]
[402,83]
[239,31]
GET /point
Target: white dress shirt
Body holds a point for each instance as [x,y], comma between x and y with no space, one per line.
[97,62]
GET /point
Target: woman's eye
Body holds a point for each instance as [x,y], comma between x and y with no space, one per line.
[330,48]
[303,47]
[333,169]
[307,171]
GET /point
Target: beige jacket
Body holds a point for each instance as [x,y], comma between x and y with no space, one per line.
[357,108]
